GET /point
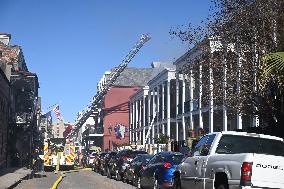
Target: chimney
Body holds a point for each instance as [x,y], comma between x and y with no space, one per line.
[5,38]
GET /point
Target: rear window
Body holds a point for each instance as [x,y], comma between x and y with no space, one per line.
[232,144]
[135,153]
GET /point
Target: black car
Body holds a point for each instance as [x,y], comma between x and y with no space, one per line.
[98,160]
[159,171]
[105,161]
[132,172]
[119,162]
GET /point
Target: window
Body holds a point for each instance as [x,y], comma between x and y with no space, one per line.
[232,144]
[203,146]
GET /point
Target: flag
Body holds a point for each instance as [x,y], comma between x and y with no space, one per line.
[56,111]
[49,118]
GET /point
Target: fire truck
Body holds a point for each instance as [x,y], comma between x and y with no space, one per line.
[58,151]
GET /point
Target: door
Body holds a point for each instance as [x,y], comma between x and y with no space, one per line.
[147,174]
[188,170]
[201,162]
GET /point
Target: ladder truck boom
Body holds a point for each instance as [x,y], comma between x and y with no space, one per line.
[96,100]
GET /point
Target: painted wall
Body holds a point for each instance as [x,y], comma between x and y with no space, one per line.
[116,116]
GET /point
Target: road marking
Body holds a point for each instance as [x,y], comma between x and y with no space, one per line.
[54,186]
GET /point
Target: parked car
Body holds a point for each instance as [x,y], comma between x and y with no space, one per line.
[119,162]
[159,171]
[91,158]
[132,172]
[97,162]
[105,161]
[231,159]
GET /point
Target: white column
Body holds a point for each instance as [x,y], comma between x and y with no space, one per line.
[200,98]
[182,105]
[154,114]
[191,99]
[168,109]
[225,118]
[136,121]
[131,123]
[133,118]
[211,103]
[256,59]
[158,110]
[239,115]
[140,120]
[149,113]
[177,103]
[144,116]
[163,107]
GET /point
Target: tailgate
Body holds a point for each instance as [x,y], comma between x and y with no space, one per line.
[268,171]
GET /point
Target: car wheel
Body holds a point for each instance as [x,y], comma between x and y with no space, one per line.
[156,184]
[134,180]
[222,186]
[139,183]
[108,173]
[117,176]
[124,179]
[177,183]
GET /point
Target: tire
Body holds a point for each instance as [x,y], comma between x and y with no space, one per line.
[108,173]
[135,180]
[124,179]
[117,176]
[222,186]
[156,184]
[139,183]
[177,183]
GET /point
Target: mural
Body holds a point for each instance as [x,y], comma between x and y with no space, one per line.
[119,130]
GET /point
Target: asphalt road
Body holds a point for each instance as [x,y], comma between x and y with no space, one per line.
[74,180]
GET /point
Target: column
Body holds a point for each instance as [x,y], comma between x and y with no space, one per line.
[182,105]
[211,103]
[144,124]
[149,115]
[154,114]
[136,121]
[239,115]
[200,98]
[163,107]
[177,107]
[168,108]
[158,110]
[191,99]
[133,119]
[225,118]
[131,124]
[140,120]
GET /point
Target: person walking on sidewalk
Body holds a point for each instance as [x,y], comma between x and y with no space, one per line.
[36,160]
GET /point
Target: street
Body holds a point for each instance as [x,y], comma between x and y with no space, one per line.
[74,180]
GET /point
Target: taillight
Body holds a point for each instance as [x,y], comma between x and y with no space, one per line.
[124,158]
[167,165]
[246,173]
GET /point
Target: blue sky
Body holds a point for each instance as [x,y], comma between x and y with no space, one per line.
[71,43]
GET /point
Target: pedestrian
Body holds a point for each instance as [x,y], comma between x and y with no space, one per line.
[36,160]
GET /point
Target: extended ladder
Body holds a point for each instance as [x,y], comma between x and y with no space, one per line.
[97,99]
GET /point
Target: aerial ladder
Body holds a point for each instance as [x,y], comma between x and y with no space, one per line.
[94,105]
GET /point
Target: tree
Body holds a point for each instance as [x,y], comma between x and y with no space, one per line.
[254,28]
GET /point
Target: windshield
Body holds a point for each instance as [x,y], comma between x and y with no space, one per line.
[232,144]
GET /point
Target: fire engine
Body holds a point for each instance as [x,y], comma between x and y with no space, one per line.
[61,148]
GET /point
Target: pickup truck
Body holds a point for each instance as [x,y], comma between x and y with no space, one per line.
[231,159]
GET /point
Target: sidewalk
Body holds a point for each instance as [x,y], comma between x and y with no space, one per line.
[11,176]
